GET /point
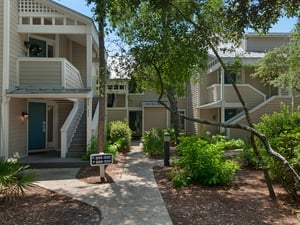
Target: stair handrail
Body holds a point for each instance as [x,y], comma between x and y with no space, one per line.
[69,127]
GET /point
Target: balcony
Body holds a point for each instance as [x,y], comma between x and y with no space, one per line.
[48,73]
[251,96]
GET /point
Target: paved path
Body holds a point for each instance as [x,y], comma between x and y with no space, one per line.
[133,199]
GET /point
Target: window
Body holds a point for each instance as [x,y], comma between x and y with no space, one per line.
[229,113]
[181,120]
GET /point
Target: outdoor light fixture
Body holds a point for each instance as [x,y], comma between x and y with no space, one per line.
[27,44]
[24,115]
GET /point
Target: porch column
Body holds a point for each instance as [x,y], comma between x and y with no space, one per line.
[222,93]
[89,59]
[89,117]
[56,52]
[4,117]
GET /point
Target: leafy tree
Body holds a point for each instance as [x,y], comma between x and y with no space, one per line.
[165,50]
[211,22]
[283,131]
[240,15]
[280,67]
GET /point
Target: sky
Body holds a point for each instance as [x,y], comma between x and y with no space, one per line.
[284,25]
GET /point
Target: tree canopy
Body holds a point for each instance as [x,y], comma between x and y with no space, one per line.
[280,67]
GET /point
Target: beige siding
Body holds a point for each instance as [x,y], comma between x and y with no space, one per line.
[79,60]
[119,100]
[40,74]
[116,114]
[182,103]
[135,100]
[17,127]
[194,95]
[273,105]
[250,95]
[155,117]
[256,83]
[64,47]
[63,111]
[16,44]
[207,80]
[212,115]
[262,44]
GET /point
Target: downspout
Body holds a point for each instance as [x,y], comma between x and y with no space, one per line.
[5,80]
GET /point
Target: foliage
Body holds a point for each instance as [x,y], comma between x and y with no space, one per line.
[202,162]
[13,178]
[280,67]
[283,131]
[240,15]
[92,149]
[119,133]
[153,144]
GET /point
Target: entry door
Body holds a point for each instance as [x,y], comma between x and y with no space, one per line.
[37,126]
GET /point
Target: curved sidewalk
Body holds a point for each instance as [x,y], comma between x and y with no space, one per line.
[133,199]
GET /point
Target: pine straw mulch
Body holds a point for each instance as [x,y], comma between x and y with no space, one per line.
[245,202]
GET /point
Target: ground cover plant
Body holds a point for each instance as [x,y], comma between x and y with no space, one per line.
[203,162]
[153,141]
[118,140]
[13,178]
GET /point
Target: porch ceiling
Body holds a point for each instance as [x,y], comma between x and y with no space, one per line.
[49,93]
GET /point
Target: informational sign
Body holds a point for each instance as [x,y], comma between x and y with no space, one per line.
[101,159]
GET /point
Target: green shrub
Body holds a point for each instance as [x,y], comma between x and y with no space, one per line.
[92,149]
[202,162]
[153,144]
[119,133]
[283,132]
[154,141]
[13,178]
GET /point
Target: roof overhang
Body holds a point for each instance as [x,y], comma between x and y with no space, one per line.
[49,93]
[216,104]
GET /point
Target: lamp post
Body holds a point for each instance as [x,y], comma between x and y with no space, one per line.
[166,149]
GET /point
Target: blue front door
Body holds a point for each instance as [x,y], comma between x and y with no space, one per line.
[37,126]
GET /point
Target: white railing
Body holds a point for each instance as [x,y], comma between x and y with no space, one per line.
[47,73]
[71,76]
[70,125]
[250,94]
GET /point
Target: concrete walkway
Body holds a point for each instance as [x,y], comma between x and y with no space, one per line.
[133,199]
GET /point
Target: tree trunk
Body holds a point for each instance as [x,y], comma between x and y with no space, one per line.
[102,82]
[174,112]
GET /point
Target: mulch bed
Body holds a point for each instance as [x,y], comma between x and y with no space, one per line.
[40,206]
[245,202]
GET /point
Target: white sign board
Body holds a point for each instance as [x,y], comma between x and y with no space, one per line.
[101,159]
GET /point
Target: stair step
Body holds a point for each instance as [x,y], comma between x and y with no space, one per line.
[75,154]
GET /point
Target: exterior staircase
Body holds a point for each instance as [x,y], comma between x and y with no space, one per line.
[78,144]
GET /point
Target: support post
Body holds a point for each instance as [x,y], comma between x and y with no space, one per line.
[166,149]
[102,172]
